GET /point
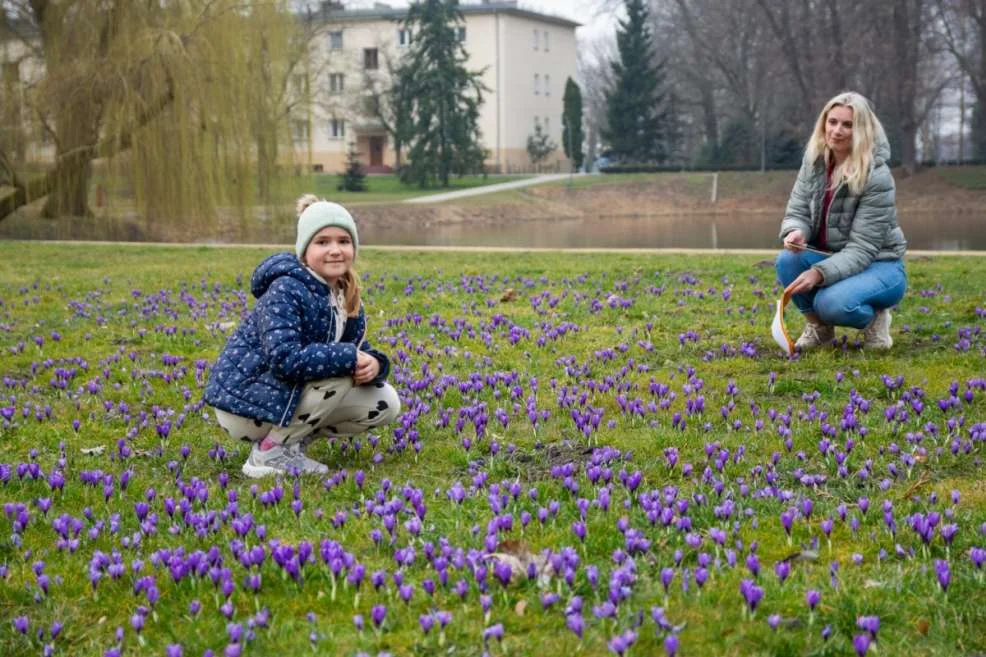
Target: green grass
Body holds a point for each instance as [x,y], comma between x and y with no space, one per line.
[965,177]
[469,333]
[380,188]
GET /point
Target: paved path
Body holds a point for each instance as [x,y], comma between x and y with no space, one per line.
[489,189]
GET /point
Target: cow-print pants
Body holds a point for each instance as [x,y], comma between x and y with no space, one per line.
[329,407]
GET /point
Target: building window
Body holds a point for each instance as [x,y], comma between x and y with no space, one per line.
[299,131]
[537,123]
[335,40]
[537,84]
[460,34]
[403,38]
[546,41]
[547,84]
[370,59]
[337,128]
[336,83]
[537,37]
[547,125]
[370,105]
[299,83]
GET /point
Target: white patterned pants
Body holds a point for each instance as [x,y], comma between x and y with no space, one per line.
[329,407]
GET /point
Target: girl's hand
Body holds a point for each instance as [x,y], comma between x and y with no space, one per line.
[794,241]
[808,280]
[367,368]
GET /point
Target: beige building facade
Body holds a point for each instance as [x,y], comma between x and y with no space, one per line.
[526,58]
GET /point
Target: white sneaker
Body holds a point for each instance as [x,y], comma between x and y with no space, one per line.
[281,459]
[877,334]
[813,335]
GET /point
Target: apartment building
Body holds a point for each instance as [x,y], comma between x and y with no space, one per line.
[526,58]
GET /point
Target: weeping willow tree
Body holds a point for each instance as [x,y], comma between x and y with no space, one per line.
[162,94]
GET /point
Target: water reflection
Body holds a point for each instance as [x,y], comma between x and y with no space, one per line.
[938,231]
[925,231]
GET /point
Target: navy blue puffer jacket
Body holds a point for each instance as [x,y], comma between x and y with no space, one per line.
[286,342]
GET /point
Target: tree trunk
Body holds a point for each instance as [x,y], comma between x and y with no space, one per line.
[77,128]
[70,195]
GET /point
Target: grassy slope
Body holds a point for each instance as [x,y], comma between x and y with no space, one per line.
[123,309]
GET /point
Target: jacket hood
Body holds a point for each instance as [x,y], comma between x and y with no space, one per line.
[881,151]
[283,264]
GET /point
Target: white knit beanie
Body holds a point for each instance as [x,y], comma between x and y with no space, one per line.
[319,215]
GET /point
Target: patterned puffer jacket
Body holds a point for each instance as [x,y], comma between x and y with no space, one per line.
[286,342]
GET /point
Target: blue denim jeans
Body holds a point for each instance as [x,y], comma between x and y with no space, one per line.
[852,301]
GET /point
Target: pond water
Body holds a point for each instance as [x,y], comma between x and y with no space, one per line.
[938,231]
[926,231]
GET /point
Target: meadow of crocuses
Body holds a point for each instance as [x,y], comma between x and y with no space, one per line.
[598,454]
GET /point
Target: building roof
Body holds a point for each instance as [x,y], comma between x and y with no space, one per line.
[334,13]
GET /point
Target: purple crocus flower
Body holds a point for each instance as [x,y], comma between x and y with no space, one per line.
[870,624]
[671,644]
[861,643]
[782,569]
[575,623]
[378,614]
[944,574]
[812,598]
[493,632]
[21,624]
[173,650]
[752,593]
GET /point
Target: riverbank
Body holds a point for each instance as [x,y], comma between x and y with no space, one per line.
[928,197]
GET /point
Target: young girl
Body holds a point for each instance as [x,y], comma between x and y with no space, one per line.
[299,365]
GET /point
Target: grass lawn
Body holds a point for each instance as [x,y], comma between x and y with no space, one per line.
[967,177]
[619,428]
[379,188]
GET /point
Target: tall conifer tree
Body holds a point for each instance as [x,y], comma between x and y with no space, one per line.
[442,97]
[637,108]
[571,121]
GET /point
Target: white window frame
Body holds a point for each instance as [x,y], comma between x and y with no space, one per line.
[537,84]
[460,34]
[300,131]
[404,37]
[333,35]
[546,42]
[537,38]
[337,128]
[547,125]
[547,84]
[337,83]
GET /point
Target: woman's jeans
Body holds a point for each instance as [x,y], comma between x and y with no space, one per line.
[852,301]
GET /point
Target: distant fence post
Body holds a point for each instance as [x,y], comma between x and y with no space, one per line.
[715,186]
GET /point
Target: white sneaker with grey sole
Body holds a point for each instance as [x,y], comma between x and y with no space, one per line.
[281,459]
[877,334]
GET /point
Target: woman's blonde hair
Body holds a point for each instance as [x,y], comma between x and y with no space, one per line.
[866,132]
[349,282]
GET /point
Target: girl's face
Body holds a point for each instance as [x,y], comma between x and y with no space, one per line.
[330,253]
[838,131]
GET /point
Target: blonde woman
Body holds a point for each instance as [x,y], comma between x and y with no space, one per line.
[843,202]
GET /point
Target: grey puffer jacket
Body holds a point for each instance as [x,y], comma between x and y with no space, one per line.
[861,228]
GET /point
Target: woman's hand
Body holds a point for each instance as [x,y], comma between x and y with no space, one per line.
[794,241]
[367,368]
[807,281]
